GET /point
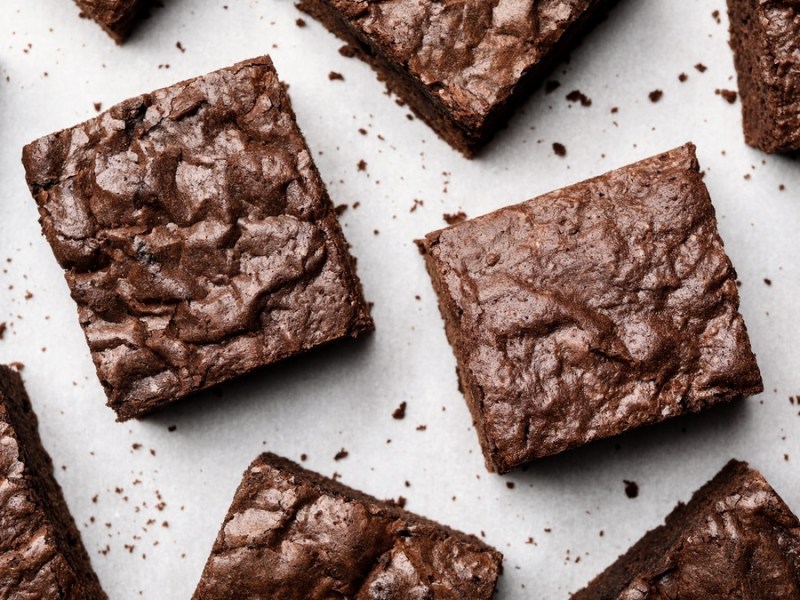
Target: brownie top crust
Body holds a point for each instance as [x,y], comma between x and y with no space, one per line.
[592,309]
[293,534]
[470,54]
[735,539]
[41,554]
[197,236]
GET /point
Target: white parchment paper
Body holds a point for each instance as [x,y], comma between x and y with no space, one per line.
[149,501]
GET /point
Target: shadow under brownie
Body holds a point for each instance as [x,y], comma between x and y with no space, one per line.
[293,534]
[588,311]
[198,239]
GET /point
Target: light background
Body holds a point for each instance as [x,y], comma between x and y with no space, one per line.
[54,66]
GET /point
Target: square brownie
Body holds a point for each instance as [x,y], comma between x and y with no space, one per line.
[735,539]
[198,239]
[765,37]
[117,17]
[591,310]
[462,65]
[41,553]
[293,534]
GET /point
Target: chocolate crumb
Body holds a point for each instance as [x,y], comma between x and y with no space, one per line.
[767,280]
[334,76]
[701,67]
[728,95]
[362,166]
[180,47]
[347,51]
[559,149]
[341,454]
[400,412]
[683,77]
[655,95]
[300,22]
[631,489]
[715,16]
[510,485]
[578,96]
[3,328]
[303,457]
[98,106]
[454,218]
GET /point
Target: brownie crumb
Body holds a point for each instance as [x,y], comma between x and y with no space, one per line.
[362,166]
[347,51]
[341,454]
[728,95]
[683,77]
[172,428]
[578,96]
[454,218]
[334,76]
[98,106]
[400,412]
[510,485]
[655,95]
[340,208]
[614,110]
[304,457]
[422,428]
[17,365]
[417,203]
[631,489]
[715,16]
[559,149]
[180,47]
[767,280]
[551,86]
[300,23]
[701,67]
[3,328]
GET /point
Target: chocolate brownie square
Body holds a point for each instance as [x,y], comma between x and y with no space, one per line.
[117,17]
[293,534]
[198,239]
[765,37]
[735,539]
[462,65]
[591,310]
[41,553]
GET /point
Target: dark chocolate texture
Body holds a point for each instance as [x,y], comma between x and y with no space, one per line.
[117,17]
[462,65]
[41,553]
[198,239]
[765,37]
[591,310]
[293,534]
[735,540]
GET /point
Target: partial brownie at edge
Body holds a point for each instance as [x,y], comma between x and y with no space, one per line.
[41,553]
[198,239]
[735,539]
[462,66]
[293,534]
[765,37]
[117,17]
[591,310]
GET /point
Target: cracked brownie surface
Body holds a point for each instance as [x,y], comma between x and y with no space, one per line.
[291,533]
[735,540]
[197,236]
[585,312]
[41,552]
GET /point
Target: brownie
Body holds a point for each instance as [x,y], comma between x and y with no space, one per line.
[198,239]
[461,65]
[41,553]
[735,539]
[117,17]
[765,37]
[293,534]
[591,310]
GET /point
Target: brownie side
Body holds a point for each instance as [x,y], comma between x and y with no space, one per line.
[116,17]
[197,236]
[765,37]
[591,310]
[293,534]
[464,66]
[736,538]
[41,553]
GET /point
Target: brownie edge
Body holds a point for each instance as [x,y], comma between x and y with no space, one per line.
[735,539]
[116,17]
[293,534]
[41,552]
[197,236]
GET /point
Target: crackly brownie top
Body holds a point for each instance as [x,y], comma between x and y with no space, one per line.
[33,563]
[198,238]
[742,542]
[469,53]
[594,308]
[294,534]
[780,20]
